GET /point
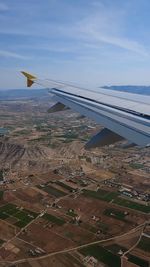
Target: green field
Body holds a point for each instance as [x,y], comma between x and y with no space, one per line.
[1,195]
[144,244]
[101,194]
[1,175]
[31,213]
[8,209]
[3,215]
[101,254]
[22,224]
[140,262]
[115,248]
[103,227]
[136,165]
[52,191]
[109,196]
[69,188]
[24,216]
[132,205]
[53,219]
[117,214]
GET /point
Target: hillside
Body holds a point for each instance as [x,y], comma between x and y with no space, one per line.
[143,90]
[36,157]
[18,155]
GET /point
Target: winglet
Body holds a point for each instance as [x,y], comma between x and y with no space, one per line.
[30,78]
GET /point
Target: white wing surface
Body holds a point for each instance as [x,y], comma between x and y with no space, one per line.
[124,115]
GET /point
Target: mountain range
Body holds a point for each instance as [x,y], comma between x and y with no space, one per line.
[18,94]
[135,89]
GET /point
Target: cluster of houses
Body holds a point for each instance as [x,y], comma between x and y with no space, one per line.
[136,194]
[128,191]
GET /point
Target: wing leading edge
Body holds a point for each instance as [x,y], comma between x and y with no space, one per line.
[124,115]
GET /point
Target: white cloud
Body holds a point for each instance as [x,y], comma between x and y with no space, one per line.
[8,54]
[107,27]
[121,42]
[103,25]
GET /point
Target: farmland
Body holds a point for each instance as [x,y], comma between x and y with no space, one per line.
[23,216]
[102,254]
[114,196]
[57,195]
[136,260]
[115,213]
[101,194]
[52,191]
[132,205]
[53,219]
[144,244]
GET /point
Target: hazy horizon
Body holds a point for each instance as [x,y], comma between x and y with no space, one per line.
[144,90]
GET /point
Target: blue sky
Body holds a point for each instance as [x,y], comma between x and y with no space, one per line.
[91,42]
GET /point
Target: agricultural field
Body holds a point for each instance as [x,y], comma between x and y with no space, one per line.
[144,244]
[52,191]
[1,195]
[46,238]
[114,197]
[76,233]
[101,194]
[117,214]
[1,175]
[136,165]
[115,248]
[102,254]
[132,205]
[50,218]
[136,260]
[62,260]
[67,187]
[21,217]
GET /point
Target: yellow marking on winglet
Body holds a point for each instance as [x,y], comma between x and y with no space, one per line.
[30,78]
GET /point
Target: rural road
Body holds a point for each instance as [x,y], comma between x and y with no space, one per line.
[142,226]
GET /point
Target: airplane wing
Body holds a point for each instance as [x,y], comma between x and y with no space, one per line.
[124,115]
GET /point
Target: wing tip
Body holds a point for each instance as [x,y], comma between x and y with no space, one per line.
[30,78]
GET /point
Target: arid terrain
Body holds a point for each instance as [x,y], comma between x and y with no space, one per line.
[62,205]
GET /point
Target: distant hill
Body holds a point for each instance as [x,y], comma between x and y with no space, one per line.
[20,94]
[143,90]
[14,94]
